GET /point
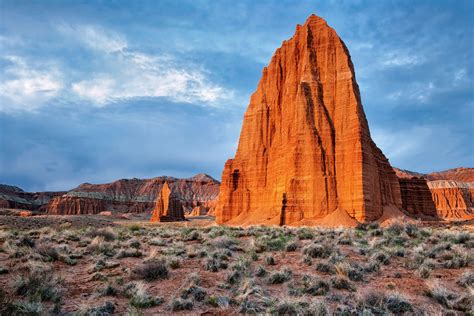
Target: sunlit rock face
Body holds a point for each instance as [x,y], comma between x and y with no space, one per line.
[305,149]
[168,206]
[454,200]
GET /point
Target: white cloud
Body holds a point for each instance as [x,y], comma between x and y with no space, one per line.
[121,73]
[95,37]
[26,87]
[399,58]
[138,75]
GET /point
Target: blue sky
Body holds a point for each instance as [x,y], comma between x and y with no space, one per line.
[94,91]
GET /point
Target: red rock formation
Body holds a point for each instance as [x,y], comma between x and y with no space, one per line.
[168,207]
[454,200]
[456,174]
[15,198]
[416,197]
[135,195]
[305,149]
[73,205]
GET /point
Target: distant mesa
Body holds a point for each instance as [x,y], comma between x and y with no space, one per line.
[121,196]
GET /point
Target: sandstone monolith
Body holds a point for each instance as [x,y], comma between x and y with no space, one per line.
[168,207]
[305,148]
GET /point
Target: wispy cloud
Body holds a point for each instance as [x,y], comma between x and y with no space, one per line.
[95,37]
[26,86]
[121,74]
[139,75]
[399,58]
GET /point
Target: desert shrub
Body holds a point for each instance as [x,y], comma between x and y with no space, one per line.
[285,308]
[140,298]
[291,246]
[466,279]
[424,271]
[279,277]
[315,286]
[218,301]
[379,303]
[260,271]
[174,262]
[98,246]
[48,251]
[440,294]
[395,228]
[234,277]
[355,273]
[151,270]
[129,253]
[307,260]
[23,307]
[458,258]
[305,233]
[318,251]
[224,242]
[192,235]
[179,304]
[106,233]
[134,228]
[26,241]
[254,256]
[381,257]
[195,292]
[269,243]
[109,290]
[342,282]
[134,243]
[102,310]
[40,283]
[462,237]
[157,242]
[214,265]
[325,267]
[270,260]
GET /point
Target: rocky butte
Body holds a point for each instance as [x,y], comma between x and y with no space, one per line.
[305,154]
[168,207]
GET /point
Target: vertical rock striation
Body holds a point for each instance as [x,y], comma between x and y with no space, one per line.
[454,200]
[305,149]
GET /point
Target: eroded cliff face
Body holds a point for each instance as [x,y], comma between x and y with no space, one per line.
[15,198]
[454,200]
[305,149]
[168,206]
[135,195]
[444,191]
[416,197]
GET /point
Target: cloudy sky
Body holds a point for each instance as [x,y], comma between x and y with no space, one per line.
[94,91]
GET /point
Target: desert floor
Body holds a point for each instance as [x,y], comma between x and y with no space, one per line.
[90,265]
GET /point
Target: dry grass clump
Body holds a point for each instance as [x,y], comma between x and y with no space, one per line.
[151,270]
